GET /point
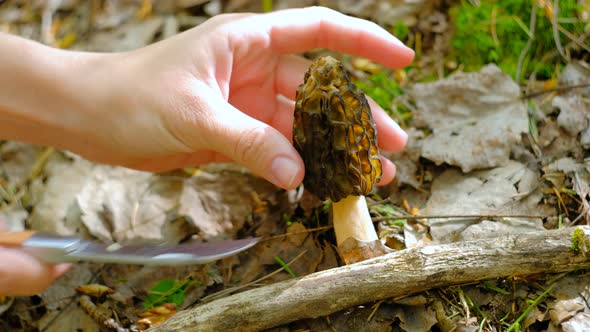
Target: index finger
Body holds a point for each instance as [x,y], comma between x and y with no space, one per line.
[299,30]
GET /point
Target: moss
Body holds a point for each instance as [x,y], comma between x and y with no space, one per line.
[579,241]
[497,32]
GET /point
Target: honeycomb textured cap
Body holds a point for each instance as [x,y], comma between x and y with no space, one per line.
[334,133]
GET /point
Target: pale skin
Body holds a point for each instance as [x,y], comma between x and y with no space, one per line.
[209,94]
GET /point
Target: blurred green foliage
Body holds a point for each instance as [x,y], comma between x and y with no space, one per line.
[168,291]
[400,31]
[383,89]
[267,6]
[498,31]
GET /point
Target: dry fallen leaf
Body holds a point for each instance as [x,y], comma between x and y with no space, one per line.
[70,318]
[13,218]
[63,290]
[16,162]
[408,160]
[504,190]
[156,315]
[95,290]
[125,37]
[219,198]
[580,322]
[56,210]
[568,307]
[573,104]
[419,318]
[123,205]
[579,173]
[475,118]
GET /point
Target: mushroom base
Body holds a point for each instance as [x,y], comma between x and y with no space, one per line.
[351,219]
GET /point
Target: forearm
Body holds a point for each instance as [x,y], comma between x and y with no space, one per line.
[39,91]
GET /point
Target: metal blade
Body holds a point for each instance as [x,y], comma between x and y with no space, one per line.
[68,249]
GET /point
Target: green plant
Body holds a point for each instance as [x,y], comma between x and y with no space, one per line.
[286,267]
[384,90]
[498,32]
[267,6]
[516,325]
[168,291]
[400,31]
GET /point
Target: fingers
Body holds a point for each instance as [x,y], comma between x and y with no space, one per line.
[283,117]
[299,30]
[254,144]
[289,74]
[391,137]
[23,275]
[388,171]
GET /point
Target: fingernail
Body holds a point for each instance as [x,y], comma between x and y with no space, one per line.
[284,171]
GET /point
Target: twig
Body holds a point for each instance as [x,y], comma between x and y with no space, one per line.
[228,291]
[525,50]
[573,38]
[550,55]
[462,216]
[556,89]
[493,26]
[554,25]
[575,221]
[305,231]
[400,273]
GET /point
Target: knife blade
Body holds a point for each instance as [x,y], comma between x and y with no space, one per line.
[69,249]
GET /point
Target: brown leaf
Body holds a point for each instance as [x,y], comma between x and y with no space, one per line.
[96,290]
[475,118]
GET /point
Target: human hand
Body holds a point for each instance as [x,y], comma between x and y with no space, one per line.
[210,94]
[206,95]
[22,274]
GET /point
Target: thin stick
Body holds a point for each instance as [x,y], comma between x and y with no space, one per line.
[529,43]
[556,89]
[554,25]
[462,216]
[228,291]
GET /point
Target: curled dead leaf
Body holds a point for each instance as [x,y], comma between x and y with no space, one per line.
[156,315]
[95,290]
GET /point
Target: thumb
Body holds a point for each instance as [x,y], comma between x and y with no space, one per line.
[254,144]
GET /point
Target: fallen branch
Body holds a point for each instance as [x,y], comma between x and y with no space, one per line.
[391,276]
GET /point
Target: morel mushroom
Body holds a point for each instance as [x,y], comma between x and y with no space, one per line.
[334,133]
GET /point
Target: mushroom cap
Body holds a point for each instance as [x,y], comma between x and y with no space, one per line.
[334,133]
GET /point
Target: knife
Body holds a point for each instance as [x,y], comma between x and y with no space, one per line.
[69,249]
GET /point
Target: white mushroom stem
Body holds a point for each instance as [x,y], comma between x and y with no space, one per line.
[352,219]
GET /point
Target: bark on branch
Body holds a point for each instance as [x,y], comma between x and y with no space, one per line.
[393,275]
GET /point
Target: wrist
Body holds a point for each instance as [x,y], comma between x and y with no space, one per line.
[42,91]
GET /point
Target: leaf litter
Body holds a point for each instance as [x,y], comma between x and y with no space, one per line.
[471,152]
[475,118]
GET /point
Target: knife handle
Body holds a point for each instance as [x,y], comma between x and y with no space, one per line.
[14,239]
